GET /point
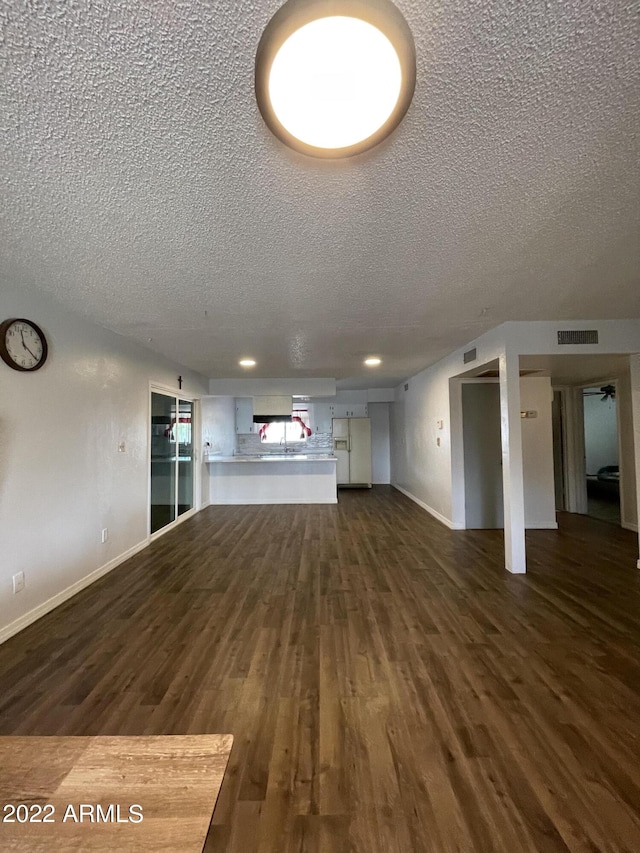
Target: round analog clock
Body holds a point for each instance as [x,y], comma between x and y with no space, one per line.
[23,345]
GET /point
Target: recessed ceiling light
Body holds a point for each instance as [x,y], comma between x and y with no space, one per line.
[333,79]
[247,362]
[372,362]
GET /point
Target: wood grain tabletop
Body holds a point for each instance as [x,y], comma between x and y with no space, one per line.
[109,793]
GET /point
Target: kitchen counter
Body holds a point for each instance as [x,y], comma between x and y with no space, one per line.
[276,457]
[273,478]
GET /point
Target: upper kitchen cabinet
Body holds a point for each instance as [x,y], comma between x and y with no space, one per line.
[320,417]
[322,414]
[349,410]
[244,415]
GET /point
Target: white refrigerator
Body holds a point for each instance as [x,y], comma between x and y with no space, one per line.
[352,446]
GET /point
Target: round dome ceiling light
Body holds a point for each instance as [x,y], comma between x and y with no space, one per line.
[335,77]
[373,361]
[247,362]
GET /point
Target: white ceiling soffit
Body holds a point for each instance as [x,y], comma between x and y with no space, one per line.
[141,187]
[577,369]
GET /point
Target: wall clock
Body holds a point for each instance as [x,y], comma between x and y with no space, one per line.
[23,345]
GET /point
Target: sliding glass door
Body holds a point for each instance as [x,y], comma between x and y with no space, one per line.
[172,464]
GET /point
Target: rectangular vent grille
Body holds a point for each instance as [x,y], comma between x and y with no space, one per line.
[470,355]
[406,386]
[578,336]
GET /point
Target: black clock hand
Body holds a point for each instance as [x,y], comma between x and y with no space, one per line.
[26,347]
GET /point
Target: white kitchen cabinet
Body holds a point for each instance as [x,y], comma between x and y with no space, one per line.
[244,415]
[320,417]
[349,410]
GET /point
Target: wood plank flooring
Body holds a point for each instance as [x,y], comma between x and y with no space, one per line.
[391,689]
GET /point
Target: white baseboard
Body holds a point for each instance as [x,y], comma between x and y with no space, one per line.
[549,525]
[629,525]
[447,522]
[30,617]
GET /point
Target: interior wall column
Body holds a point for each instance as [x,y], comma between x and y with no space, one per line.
[512,468]
[634,362]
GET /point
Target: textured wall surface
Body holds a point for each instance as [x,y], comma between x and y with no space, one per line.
[62,479]
[139,184]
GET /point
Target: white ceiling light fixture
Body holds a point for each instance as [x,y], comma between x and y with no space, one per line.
[247,362]
[335,77]
[373,361]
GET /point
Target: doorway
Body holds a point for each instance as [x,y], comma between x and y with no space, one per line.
[482,443]
[172,491]
[601,446]
[559,463]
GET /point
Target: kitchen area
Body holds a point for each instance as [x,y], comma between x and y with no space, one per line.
[277,448]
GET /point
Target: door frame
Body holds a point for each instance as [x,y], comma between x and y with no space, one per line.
[493,382]
[156,388]
[574,446]
[456,414]
[615,383]
[573,452]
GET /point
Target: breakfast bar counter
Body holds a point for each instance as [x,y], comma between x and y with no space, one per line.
[273,478]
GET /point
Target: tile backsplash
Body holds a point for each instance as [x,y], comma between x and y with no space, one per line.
[250,444]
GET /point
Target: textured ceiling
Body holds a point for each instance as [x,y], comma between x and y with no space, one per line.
[140,185]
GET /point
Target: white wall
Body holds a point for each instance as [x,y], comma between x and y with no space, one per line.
[61,477]
[482,454]
[420,467]
[600,432]
[380,462]
[536,395]
[426,471]
[219,424]
[250,387]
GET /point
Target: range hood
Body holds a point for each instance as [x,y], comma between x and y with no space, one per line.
[272,419]
[270,410]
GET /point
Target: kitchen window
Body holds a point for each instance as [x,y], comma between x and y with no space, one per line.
[287,433]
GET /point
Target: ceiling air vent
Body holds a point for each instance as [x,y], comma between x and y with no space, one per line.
[470,355]
[578,336]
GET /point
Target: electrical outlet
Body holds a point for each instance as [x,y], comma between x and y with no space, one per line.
[18,582]
[105,535]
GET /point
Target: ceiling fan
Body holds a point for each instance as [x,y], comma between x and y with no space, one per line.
[609,392]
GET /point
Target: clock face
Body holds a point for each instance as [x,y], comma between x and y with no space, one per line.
[22,345]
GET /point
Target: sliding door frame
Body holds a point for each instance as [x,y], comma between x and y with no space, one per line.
[155,388]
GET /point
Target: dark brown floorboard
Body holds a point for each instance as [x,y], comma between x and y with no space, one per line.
[390,687]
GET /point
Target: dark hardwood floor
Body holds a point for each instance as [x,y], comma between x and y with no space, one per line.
[390,687]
